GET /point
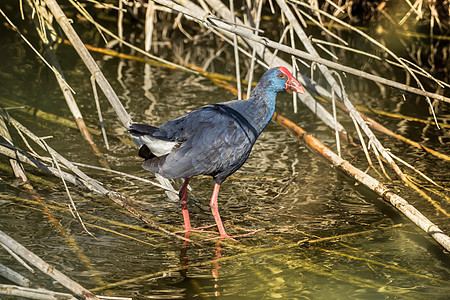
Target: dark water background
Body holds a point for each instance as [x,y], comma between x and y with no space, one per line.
[283,190]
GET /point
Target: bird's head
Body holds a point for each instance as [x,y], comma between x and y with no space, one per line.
[280,79]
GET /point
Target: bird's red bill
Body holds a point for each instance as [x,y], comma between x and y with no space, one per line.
[292,84]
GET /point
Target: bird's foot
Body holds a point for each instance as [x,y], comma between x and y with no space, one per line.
[225,236]
[198,229]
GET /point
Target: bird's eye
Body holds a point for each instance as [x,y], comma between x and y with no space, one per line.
[281,75]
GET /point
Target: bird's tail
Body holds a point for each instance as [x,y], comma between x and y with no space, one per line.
[141,129]
[153,146]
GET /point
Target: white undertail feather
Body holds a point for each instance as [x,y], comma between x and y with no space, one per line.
[156,146]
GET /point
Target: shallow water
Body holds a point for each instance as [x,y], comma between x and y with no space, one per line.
[284,192]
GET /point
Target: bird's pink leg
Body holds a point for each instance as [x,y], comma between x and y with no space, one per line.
[215,211]
[183,203]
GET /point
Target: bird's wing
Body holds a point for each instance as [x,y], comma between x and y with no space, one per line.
[212,140]
[183,128]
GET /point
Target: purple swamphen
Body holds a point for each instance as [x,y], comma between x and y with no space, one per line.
[213,140]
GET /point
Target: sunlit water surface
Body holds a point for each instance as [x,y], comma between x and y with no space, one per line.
[284,192]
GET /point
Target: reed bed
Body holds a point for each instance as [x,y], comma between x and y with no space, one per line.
[247,31]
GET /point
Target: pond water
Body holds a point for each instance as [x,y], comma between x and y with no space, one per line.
[318,235]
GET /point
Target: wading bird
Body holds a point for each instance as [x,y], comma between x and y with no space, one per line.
[213,140]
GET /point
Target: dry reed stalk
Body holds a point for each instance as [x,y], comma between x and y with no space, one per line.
[71,103]
[402,117]
[42,20]
[331,64]
[124,175]
[33,48]
[19,170]
[378,127]
[59,157]
[25,158]
[15,164]
[402,205]
[31,191]
[295,72]
[382,30]
[31,293]
[89,61]
[417,70]
[253,58]
[120,22]
[149,20]
[99,112]
[49,117]
[33,178]
[13,276]
[43,27]
[236,53]
[19,259]
[114,196]
[103,30]
[45,267]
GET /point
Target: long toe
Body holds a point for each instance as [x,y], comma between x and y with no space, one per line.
[234,237]
[199,229]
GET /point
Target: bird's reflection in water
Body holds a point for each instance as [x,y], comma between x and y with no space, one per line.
[184,262]
[216,267]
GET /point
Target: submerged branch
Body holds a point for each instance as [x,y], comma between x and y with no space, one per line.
[31,293]
[398,202]
[45,267]
[13,276]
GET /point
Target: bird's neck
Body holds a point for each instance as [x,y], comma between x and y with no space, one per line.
[264,100]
